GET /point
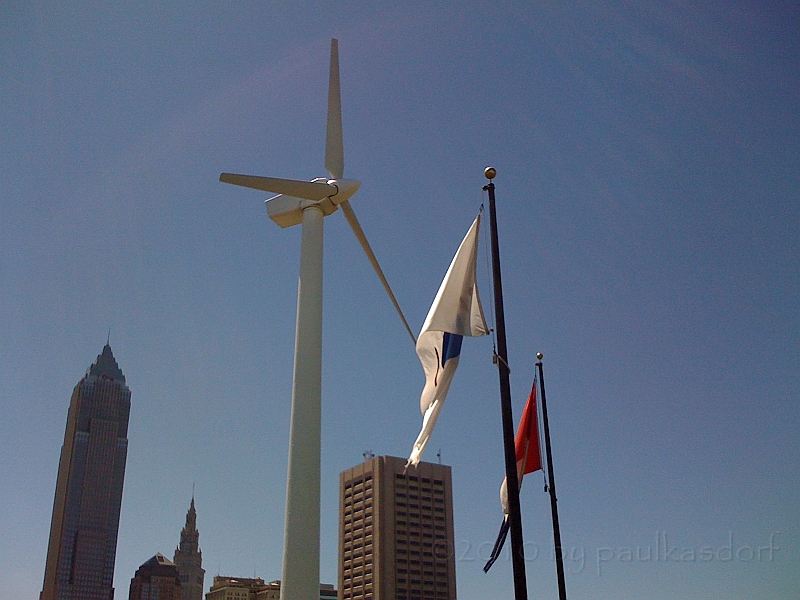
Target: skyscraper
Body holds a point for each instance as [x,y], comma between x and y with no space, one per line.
[396,531]
[157,579]
[189,559]
[83,530]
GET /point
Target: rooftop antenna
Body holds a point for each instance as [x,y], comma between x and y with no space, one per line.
[439,455]
[367,454]
[307,203]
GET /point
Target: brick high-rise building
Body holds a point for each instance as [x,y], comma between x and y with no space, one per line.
[189,559]
[396,539]
[83,530]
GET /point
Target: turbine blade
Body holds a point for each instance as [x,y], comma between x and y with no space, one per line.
[334,146]
[310,190]
[356,226]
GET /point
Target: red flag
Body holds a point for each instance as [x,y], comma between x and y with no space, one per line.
[529,458]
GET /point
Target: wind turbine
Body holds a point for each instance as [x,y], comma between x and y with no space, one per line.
[307,203]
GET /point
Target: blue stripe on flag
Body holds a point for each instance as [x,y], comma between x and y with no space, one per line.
[451,346]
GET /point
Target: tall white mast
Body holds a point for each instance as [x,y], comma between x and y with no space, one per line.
[300,578]
[307,203]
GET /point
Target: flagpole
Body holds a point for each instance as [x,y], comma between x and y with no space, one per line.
[562,587]
[512,485]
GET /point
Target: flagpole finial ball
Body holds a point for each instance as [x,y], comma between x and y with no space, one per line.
[490,172]
[539,355]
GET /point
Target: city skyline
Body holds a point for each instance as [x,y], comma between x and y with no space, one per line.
[649,226]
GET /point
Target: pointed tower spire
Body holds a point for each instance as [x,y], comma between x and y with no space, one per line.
[189,558]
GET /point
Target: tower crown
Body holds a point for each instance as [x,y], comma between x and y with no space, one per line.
[191,516]
[106,365]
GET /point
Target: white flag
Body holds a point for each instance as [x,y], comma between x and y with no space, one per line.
[456,311]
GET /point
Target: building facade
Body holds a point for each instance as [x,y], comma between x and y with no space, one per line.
[243,588]
[157,579]
[83,531]
[189,559]
[396,539]
[237,588]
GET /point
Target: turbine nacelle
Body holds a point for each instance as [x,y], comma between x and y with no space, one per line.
[287,210]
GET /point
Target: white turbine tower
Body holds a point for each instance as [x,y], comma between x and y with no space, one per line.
[308,203]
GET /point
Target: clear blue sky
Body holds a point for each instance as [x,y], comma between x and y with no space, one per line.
[648,191]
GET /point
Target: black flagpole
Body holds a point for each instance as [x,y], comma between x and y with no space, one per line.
[512,482]
[562,586]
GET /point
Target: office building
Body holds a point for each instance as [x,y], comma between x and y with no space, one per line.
[83,530]
[189,559]
[396,538]
[242,588]
[157,579]
[236,588]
